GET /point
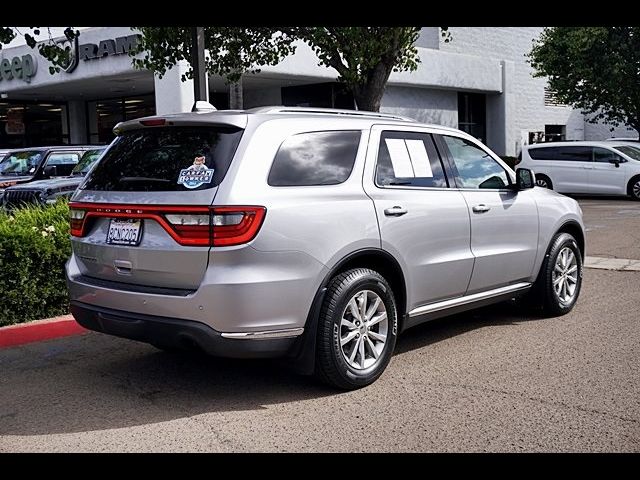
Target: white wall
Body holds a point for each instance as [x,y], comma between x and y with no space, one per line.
[439,107]
[513,44]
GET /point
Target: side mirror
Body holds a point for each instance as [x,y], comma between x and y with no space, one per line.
[50,171]
[525,179]
[615,161]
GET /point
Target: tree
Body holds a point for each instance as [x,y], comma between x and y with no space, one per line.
[56,51]
[363,57]
[596,69]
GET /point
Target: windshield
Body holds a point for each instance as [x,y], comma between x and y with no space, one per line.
[87,161]
[21,163]
[629,151]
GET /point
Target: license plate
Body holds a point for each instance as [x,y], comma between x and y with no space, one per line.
[124,232]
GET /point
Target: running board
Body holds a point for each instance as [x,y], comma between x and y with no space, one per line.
[460,304]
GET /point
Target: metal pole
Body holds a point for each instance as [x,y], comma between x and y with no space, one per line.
[197,64]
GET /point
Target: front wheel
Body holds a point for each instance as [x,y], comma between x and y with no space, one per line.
[357,329]
[634,188]
[558,285]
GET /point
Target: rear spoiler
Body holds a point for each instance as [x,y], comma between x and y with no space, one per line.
[217,118]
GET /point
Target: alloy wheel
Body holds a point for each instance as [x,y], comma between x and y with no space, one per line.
[565,275]
[364,329]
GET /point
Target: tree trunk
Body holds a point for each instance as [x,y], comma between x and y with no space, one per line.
[235,95]
[369,96]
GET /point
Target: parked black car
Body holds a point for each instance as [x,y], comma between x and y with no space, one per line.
[48,191]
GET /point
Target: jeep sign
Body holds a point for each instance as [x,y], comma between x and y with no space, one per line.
[22,68]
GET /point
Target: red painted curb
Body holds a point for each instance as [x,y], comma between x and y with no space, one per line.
[39,330]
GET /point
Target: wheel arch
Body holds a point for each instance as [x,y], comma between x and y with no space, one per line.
[574,229]
[374,258]
[632,180]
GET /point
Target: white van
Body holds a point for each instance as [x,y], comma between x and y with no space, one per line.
[601,168]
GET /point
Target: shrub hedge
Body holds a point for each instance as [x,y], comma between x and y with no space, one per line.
[34,247]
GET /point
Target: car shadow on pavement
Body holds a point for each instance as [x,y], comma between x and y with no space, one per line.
[434,331]
[97,382]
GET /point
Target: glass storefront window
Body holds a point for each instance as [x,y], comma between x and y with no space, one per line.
[105,114]
[33,124]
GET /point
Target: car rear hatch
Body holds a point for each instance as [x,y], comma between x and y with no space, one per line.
[143,215]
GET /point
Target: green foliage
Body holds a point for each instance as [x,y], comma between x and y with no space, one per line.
[364,57]
[56,52]
[34,247]
[596,69]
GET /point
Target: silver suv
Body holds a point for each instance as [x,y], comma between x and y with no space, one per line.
[317,235]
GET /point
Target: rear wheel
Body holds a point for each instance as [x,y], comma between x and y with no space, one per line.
[633,188]
[558,284]
[544,182]
[357,329]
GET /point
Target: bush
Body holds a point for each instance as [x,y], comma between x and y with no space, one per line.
[34,247]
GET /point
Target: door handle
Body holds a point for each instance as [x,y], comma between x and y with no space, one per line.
[395,211]
[480,208]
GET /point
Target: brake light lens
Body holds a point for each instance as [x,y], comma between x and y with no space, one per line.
[76,216]
[235,225]
[153,122]
[192,226]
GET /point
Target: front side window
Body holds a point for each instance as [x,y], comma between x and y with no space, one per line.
[408,158]
[315,158]
[153,159]
[21,163]
[476,168]
[629,151]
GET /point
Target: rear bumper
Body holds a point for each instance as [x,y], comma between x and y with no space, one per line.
[178,333]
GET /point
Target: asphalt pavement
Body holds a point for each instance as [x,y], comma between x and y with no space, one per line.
[496,379]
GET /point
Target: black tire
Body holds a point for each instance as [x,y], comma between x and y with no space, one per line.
[331,366]
[543,295]
[633,189]
[546,180]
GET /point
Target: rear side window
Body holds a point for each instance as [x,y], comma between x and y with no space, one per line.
[563,154]
[63,159]
[154,159]
[315,158]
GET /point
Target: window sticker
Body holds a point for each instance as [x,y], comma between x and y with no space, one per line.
[419,158]
[196,175]
[399,158]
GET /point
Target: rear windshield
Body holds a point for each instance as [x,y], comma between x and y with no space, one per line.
[166,159]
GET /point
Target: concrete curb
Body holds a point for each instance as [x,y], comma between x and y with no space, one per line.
[39,330]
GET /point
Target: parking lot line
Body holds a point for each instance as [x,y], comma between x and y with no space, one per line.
[620,264]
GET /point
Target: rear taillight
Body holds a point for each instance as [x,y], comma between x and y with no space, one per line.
[235,225]
[76,217]
[193,226]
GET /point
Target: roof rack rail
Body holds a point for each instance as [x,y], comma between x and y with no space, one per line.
[329,111]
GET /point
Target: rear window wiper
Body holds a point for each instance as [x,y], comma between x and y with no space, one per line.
[143,179]
[400,183]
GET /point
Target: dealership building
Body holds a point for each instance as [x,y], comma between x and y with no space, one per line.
[479,82]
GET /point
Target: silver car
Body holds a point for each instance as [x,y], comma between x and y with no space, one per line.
[316,235]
